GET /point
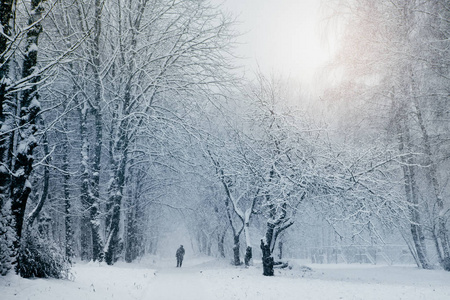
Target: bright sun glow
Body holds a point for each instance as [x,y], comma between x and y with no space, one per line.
[280,36]
[295,48]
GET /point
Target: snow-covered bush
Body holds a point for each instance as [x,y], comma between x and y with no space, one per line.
[6,243]
[39,257]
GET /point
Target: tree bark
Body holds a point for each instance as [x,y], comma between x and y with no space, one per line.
[35,213]
[29,109]
[267,259]
[236,250]
[131,233]
[6,123]
[248,256]
[280,249]
[276,224]
[440,231]
[86,236]
[69,243]
[131,230]
[7,239]
[411,192]
[113,245]
[97,241]
[220,243]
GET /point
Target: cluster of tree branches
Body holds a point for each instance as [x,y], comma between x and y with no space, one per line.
[394,61]
[377,160]
[118,115]
[93,109]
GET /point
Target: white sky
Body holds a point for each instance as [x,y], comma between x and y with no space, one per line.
[282,36]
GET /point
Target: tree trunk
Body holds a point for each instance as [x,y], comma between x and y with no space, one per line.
[248,251]
[236,250]
[280,249]
[35,213]
[131,241]
[114,244]
[236,233]
[440,231]
[267,259]
[97,242]
[6,123]
[6,15]
[69,243]
[220,243]
[86,236]
[7,236]
[277,223]
[416,225]
[26,140]
[412,198]
[248,256]
[130,245]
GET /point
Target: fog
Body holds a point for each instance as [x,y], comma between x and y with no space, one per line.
[264,136]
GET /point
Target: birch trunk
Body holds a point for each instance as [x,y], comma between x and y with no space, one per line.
[248,251]
[97,241]
[86,236]
[440,231]
[411,192]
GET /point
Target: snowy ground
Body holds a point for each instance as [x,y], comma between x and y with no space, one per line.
[209,279]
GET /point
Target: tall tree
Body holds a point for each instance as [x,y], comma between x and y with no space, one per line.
[6,125]
[393,71]
[168,51]
[29,107]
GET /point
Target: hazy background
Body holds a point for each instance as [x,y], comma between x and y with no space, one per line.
[280,36]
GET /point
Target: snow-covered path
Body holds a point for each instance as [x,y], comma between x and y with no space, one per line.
[209,279]
[220,281]
[170,282]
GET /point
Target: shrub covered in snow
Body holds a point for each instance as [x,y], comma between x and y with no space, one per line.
[6,243]
[39,257]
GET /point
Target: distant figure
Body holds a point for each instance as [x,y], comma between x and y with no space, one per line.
[179,255]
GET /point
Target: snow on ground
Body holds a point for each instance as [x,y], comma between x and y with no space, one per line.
[90,281]
[203,278]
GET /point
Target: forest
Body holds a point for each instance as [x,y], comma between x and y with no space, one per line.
[122,121]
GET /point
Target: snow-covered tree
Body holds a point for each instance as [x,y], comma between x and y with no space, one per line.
[173,52]
[390,73]
[19,99]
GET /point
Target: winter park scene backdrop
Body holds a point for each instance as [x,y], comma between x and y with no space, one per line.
[297,149]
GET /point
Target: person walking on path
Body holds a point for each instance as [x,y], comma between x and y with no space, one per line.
[180,255]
